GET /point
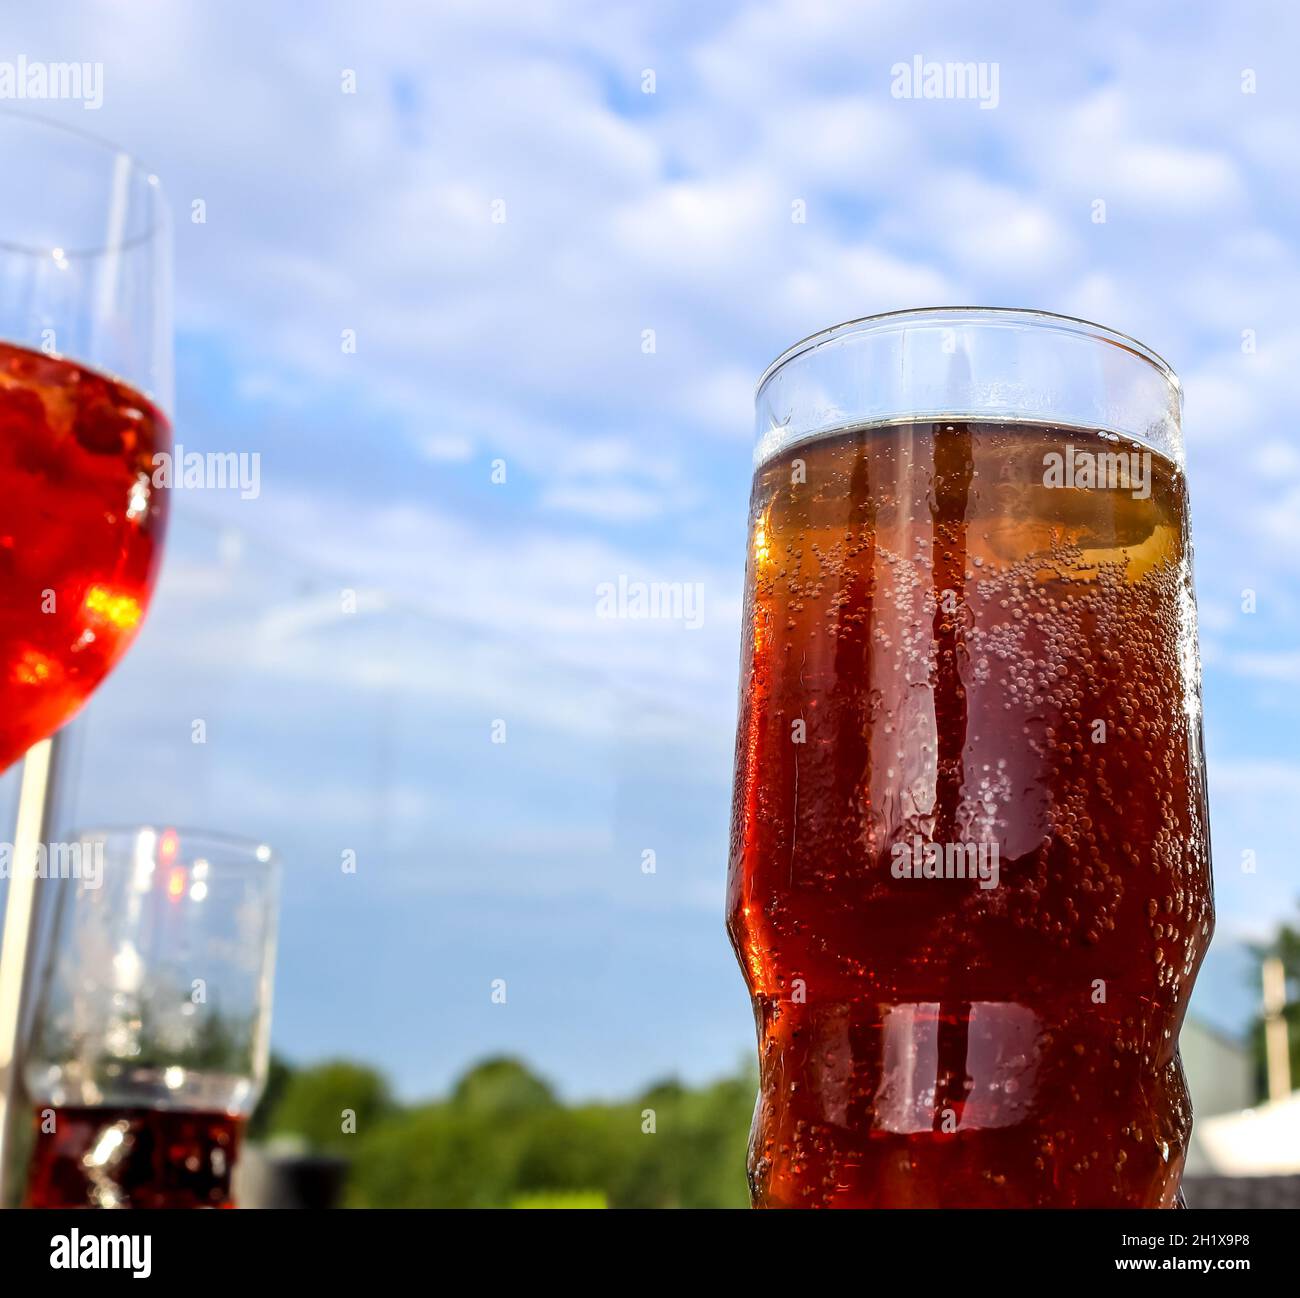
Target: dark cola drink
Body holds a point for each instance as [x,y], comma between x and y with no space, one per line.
[132,1158]
[970,871]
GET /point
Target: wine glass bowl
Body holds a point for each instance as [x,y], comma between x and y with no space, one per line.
[85,383]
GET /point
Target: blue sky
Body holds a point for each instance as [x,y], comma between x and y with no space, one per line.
[522,341]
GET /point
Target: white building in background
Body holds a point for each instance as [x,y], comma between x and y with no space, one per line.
[1232,1135]
[1220,1069]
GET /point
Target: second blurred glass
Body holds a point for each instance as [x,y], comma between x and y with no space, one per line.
[151,1030]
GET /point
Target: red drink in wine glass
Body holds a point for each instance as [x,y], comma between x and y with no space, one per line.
[80,535]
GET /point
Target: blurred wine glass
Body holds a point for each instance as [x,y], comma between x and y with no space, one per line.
[151,1030]
[85,386]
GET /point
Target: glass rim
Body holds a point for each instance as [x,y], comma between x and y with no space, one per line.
[1027,316]
[159,208]
[259,852]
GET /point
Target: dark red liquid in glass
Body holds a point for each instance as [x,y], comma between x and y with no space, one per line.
[132,1158]
[943,648]
[81,528]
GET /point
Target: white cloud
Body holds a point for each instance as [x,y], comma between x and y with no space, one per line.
[1283,666]
[608,502]
[992,229]
[1104,149]
[1171,178]
[1258,778]
[452,447]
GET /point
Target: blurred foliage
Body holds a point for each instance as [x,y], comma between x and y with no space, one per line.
[503,1139]
[501,1086]
[1286,947]
[578,1199]
[314,1105]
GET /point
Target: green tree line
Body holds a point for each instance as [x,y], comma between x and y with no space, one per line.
[502,1138]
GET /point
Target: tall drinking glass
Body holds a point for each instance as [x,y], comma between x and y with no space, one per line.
[85,384]
[970,869]
[149,1042]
